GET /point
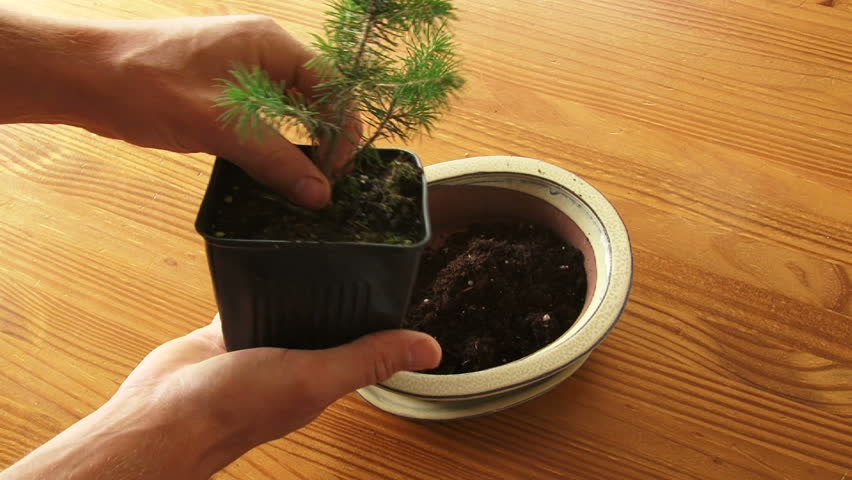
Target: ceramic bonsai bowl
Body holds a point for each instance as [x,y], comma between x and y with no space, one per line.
[486,189]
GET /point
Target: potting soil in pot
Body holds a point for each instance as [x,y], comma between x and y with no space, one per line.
[379,202]
[495,293]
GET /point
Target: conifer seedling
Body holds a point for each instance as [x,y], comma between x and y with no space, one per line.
[391,63]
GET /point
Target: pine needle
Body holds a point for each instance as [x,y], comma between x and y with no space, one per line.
[391,61]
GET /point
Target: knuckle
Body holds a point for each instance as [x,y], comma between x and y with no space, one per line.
[383,365]
[261,22]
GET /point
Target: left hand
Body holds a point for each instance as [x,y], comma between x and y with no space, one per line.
[190,408]
[269,392]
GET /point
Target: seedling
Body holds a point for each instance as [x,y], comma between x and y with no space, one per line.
[389,63]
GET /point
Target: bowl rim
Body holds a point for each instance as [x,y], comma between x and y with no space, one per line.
[558,355]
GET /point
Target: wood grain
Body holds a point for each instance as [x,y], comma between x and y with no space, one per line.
[722,132]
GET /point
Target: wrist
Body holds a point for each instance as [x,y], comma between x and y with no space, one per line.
[185,441]
[129,438]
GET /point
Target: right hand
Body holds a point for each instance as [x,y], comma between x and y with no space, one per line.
[159,91]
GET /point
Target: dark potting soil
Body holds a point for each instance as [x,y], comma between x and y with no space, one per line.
[495,293]
[379,202]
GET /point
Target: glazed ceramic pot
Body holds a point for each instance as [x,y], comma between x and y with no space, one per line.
[481,189]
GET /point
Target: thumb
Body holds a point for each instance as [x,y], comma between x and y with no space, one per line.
[373,359]
[280,165]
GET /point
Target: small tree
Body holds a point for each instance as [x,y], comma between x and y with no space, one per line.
[390,62]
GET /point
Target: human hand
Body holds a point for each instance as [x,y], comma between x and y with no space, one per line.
[189,409]
[269,392]
[153,83]
[158,89]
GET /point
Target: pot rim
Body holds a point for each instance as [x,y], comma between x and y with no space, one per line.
[574,343]
[204,211]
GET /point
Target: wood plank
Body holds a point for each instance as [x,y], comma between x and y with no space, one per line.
[722,132]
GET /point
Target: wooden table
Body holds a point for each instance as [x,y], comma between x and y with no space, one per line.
[722,132]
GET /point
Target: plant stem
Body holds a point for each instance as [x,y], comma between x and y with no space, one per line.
[362,47]
[385,119]
[328,163]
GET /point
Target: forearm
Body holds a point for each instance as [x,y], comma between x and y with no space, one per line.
[49,68]
[120,443]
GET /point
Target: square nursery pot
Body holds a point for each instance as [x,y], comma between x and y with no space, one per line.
[304,294]
[483,189]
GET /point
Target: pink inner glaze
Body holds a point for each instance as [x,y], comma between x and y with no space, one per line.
[454,207]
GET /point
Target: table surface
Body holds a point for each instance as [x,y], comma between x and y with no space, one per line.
[721,131]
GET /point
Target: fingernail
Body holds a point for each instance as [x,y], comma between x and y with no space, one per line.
[311,192]
[424,354]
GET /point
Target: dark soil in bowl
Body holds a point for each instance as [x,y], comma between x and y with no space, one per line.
[495,293]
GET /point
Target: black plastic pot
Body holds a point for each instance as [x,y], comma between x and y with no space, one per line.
[305,295]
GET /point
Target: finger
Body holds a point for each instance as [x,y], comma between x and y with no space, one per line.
[347,142]
[211,333]
[284,58]
[290,68]
[197,346]
[281,165]
[369,360]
